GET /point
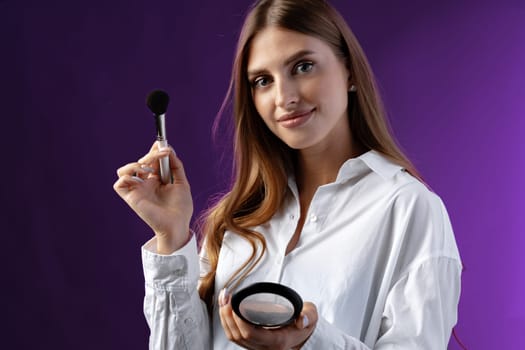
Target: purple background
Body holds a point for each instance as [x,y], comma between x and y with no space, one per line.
[74,75]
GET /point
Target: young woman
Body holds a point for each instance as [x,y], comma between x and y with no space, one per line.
[323,201]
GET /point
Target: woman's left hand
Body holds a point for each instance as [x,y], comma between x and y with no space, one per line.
[252,337]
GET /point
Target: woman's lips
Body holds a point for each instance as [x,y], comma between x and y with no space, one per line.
[296,119]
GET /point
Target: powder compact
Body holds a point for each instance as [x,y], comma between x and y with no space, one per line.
[268,305]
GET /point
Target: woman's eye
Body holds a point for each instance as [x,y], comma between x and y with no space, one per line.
[303,67]
[260,82]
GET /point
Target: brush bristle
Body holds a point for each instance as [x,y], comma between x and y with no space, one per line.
[157,101]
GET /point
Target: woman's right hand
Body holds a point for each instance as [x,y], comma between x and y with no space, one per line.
[166,208]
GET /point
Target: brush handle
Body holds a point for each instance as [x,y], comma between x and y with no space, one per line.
[164,165]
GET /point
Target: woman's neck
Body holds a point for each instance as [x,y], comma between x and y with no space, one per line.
[320,165]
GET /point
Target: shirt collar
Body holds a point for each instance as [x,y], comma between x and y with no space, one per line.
[371,160]
[380,164]
[368,161]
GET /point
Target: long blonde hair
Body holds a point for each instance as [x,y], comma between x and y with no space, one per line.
[261,160]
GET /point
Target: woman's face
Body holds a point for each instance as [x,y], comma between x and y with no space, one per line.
[299,87]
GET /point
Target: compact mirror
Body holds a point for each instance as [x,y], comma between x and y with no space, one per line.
[269,305]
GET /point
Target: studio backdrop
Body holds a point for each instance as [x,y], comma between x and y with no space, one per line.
[74,77]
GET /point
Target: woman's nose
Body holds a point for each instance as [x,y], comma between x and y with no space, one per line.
[286,93]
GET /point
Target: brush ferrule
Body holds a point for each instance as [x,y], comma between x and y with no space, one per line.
[161,127]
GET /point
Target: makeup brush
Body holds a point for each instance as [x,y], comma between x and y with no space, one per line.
[157,101]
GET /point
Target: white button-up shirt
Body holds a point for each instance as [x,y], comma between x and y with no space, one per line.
[376,255]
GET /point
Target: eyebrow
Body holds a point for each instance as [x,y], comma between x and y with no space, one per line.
[289,60]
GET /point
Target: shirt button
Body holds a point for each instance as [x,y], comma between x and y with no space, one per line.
[313,218]
[188,321]
[292,217]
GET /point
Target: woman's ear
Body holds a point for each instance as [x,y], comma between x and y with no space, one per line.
[351,84]
[350,78]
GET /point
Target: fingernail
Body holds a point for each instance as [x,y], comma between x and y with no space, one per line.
[306,322]
[167,149]
[224,297]
[137,179]
[221,298]
[147,168]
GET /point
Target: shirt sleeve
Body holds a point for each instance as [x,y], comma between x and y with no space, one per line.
[419,313]
[420,307]
[175,314]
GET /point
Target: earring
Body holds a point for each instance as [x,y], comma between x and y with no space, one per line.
[353,88]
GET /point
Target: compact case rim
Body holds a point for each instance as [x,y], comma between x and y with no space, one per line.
[272,288]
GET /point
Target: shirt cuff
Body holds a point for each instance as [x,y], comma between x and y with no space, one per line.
[173,271]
